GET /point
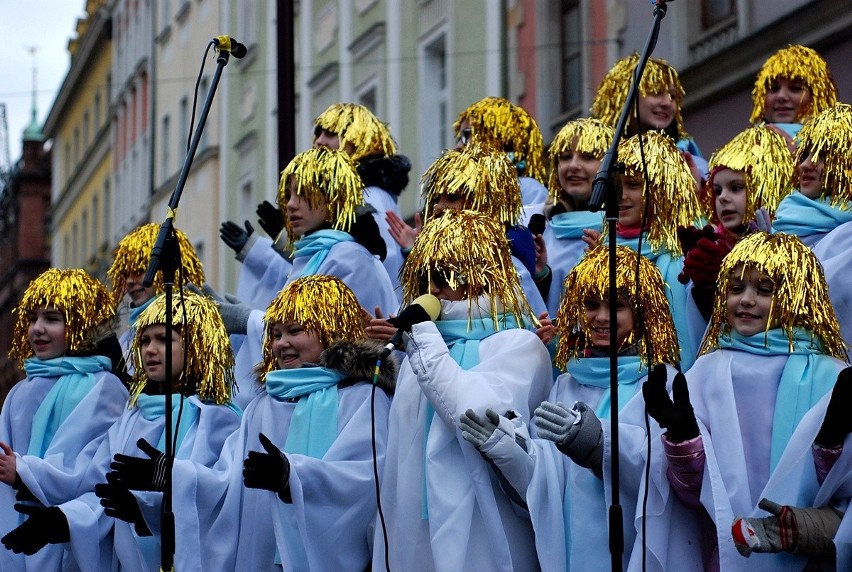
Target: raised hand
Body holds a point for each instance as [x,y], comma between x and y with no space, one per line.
[140,473]
[577,432]
[675,415]
[234,236]
[477,430]
[45,525]
[269,470]
[270,218]
[119,502]
[401,232]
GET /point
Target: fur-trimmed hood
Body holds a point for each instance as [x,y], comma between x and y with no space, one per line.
[389,173]
[358,361]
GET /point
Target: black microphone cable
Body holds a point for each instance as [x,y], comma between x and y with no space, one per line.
[376,463]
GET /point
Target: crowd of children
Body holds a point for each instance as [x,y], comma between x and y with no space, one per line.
[437,396]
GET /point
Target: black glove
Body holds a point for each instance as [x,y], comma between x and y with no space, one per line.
[270,218]
[45,525]
[269,471]
[234,236]
[413,314]
[837,423]
[22,491]
[139,473]
[119,502]
[677,416]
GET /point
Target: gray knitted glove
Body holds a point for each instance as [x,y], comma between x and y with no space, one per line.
[475,429]
[577,432]
[801,531]
[235,313]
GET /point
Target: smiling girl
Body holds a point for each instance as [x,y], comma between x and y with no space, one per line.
[70,397]
[772,351]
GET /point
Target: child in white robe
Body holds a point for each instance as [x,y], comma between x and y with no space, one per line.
[563,477]
[771,353]
[63,407]
[442,506]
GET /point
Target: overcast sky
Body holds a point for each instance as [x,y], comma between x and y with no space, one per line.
[47,25]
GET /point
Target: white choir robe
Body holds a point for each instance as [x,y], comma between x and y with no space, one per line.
[262,274]
[584,545]
[471,524]
[100,542]
[737,471]
[72,445]
[334,499]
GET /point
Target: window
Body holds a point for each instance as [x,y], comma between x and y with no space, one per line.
[67,162]
[715,11]
[95,214]
[97,112]
[571,74]
[84,238]
[434,132]
[247,20]
[76,146]
[86,130]
[183,128]
[202,93]
[165,141]
[107,213]
[75,247]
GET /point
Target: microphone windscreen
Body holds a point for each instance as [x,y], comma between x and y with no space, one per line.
[429,303]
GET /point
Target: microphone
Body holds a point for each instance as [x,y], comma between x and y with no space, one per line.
[229,44]
[423,308]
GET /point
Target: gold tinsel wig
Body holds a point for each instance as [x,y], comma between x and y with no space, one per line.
[671,187]
[652,320]
[497,122]
[800,298]
[358,129]
[795,63]
[208,358]
[467,250]
[584,136]
[763,157]
[327,177]
[322,305]
[483,175]
[84,301]
[828,138]
[133,254]
[659,77]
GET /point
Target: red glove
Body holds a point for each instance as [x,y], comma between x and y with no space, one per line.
[703,262]
[688,236]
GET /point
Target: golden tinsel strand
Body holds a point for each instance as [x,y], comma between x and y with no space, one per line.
[651,314]
[497,122]
[470,251]
[323,305]
[795,63]
[323,176]
[800,298]
[587,135]
[828,138]
[356,126]
[481,174]
[133,254]
[762,155]
[85,302]
[659,77]
[671,187]
[208,357]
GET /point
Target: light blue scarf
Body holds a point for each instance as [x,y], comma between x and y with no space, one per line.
[675,292]
[76,378]
[316,245]
[313,427]
[807,376]
[804,217]
[153,407]
[136,312]
[572,224]
[594,371]
[463,343]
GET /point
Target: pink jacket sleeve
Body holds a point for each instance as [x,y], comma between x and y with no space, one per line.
[686,469]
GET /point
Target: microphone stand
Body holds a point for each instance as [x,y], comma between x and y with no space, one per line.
[165,256]
[603,193]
